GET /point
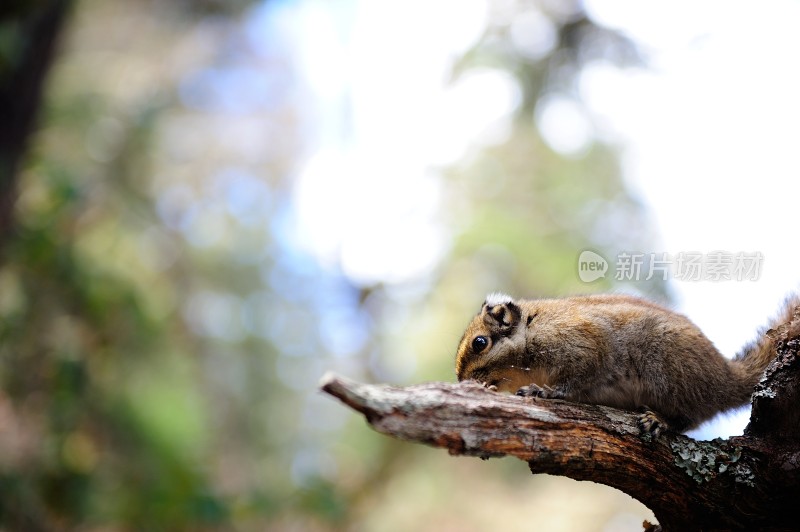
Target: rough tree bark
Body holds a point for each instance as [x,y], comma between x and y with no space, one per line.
[748,482]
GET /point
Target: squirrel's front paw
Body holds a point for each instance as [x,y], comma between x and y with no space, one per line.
[545,392]
[650,424]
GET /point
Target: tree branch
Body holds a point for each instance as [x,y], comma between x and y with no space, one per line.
[732,484]
[776,415]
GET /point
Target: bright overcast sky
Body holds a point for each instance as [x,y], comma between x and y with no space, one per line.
[710,130]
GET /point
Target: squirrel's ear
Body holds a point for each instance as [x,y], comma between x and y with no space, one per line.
[504,314]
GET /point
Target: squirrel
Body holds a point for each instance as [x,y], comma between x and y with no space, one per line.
[615,350]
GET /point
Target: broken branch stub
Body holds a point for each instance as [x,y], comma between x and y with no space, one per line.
[686,483]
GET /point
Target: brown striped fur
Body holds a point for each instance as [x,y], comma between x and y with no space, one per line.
[613,350]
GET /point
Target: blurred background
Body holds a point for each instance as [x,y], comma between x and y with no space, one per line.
[221,201]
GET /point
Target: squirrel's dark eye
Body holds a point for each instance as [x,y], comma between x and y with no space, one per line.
[479,344]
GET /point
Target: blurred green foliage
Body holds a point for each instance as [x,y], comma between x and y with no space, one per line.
[162,334]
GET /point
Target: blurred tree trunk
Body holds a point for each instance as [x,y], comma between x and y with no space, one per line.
[750,482]
[29,31]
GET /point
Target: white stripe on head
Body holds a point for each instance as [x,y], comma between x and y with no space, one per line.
[498,298]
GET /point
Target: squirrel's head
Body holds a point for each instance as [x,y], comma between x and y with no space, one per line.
[492,350]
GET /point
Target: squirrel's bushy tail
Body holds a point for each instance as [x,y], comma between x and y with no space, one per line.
[754,357]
